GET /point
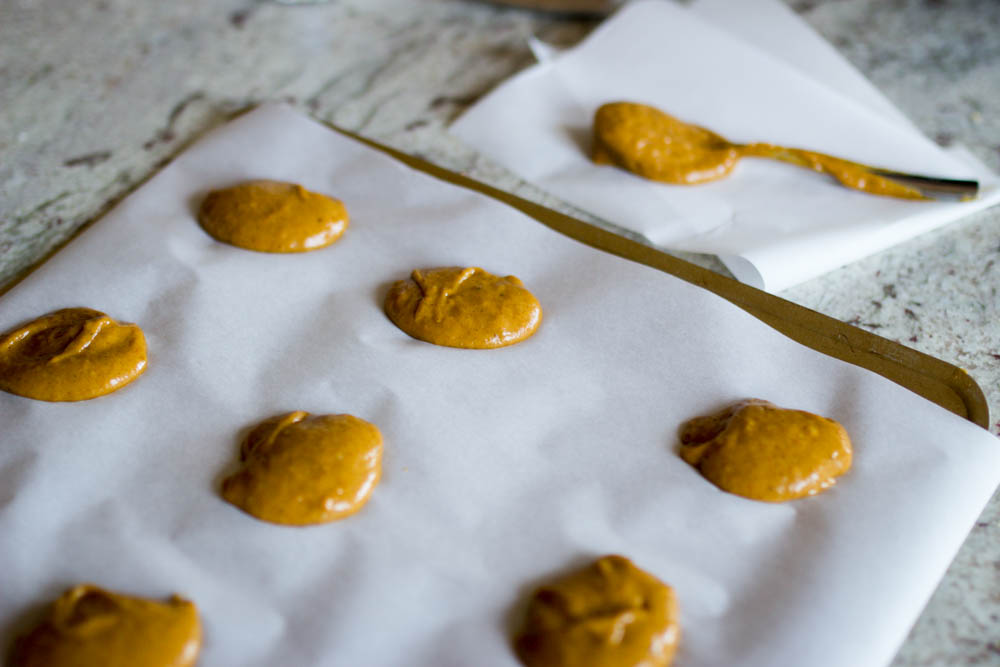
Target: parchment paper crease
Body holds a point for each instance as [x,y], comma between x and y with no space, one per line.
[502,467]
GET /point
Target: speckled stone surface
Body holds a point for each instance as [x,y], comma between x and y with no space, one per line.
[95,95]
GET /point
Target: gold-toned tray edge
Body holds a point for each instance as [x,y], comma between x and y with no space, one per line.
[934,379]
[930,377]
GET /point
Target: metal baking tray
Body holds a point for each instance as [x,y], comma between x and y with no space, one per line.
[936,380]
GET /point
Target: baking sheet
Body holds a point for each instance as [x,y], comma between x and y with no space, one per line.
[501,467]
[772,224]
[936,380]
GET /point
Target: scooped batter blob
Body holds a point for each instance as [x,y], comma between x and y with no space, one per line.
[463,307]
[301,470]
[71,355]
[272,216]
[657,146]
[90,627]
[609,614]
[760,451]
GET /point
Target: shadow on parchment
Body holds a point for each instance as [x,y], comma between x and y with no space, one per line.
[581,137]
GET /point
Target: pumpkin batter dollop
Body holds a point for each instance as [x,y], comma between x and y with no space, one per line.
[609,614]
[463,307]
[655,145]
[72,354]
[90,627]
[760,451]
[300,470]
[272,216]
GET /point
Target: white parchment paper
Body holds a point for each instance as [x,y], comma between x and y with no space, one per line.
[502,467]
[774,225]
[773,27]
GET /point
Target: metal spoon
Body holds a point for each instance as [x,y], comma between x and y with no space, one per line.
[653,144]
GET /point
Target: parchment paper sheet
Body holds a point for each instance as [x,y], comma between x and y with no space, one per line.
[773,225]
[502,467]
[773,27]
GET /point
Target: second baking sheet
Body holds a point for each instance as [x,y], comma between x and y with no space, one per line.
[773,225]
[501,467]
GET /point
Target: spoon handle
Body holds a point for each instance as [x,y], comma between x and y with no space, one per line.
[941,189]
[855,175]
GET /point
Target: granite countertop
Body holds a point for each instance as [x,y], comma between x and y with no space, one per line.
[96,95]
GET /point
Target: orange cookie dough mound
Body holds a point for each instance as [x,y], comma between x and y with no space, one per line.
[609,614]
[760,451]
[71,355]
[272,216]
[301,470]
[463,307]
[90,627]
[657,146]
